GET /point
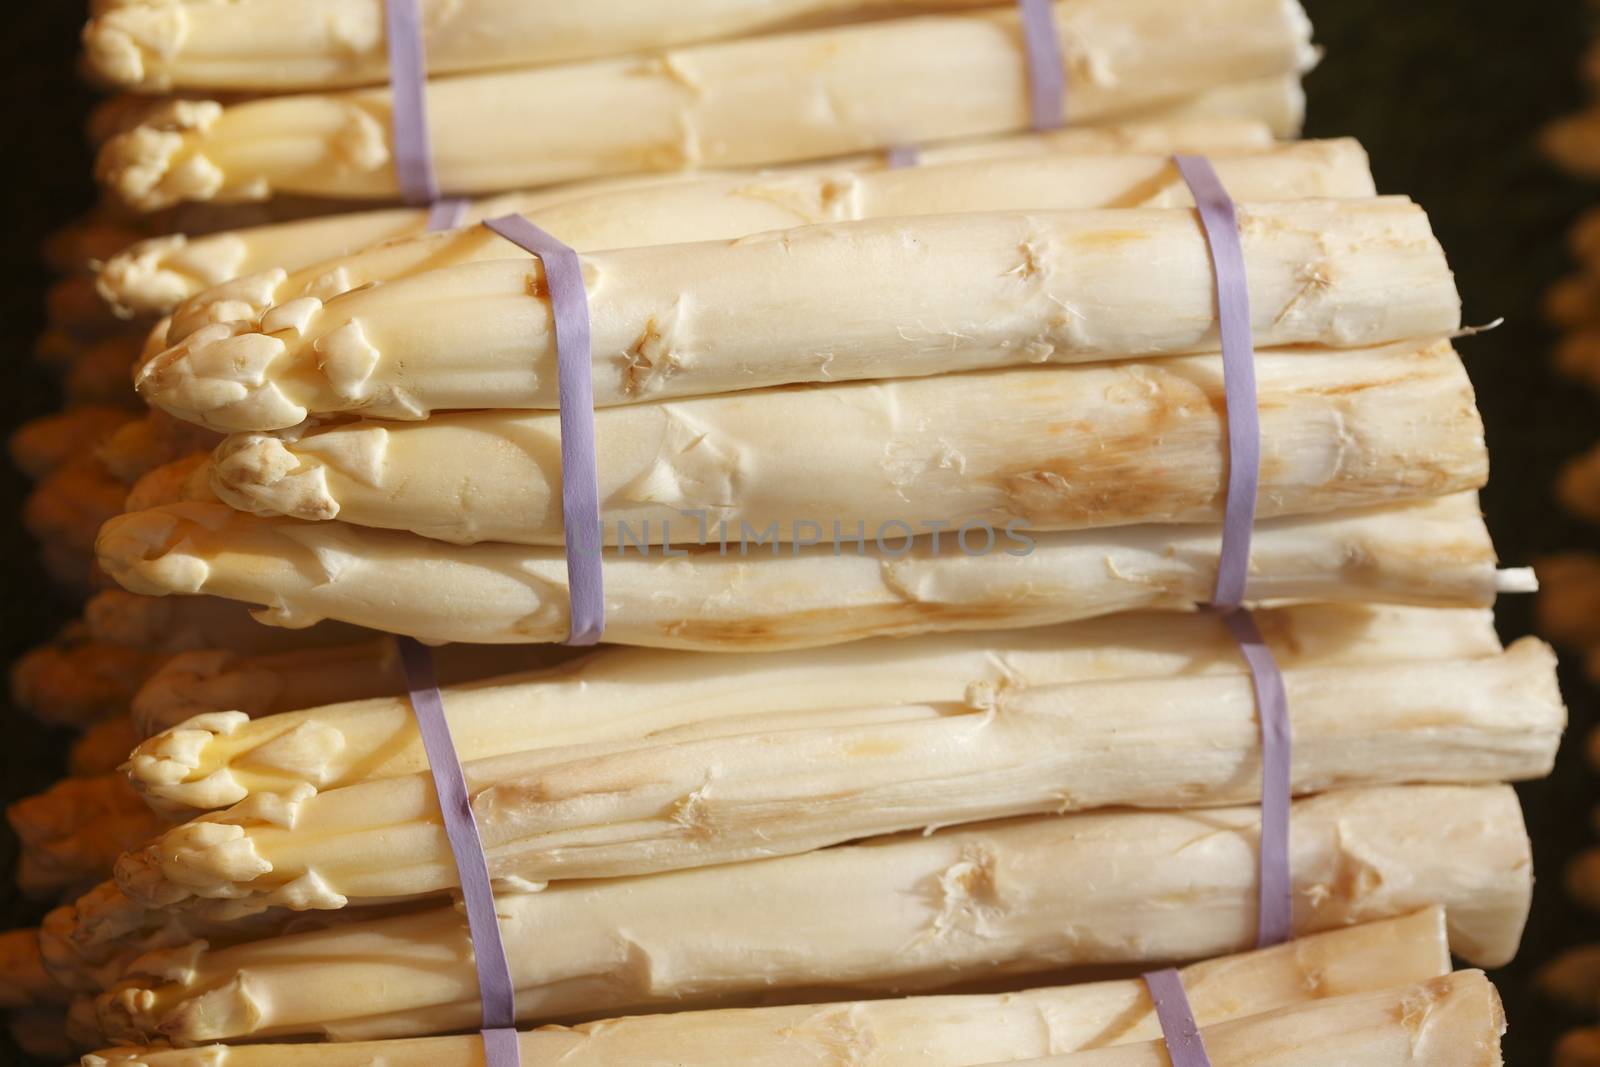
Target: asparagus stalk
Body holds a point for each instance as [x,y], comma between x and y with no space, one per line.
[1573,143]
[729,790]
[1577,356]
[897,915]
[46,444]
[632,693]
[926,1031]
[188,478]
[1456,1021]
[99,371]
[157,624]
[732,104]
[73,832]
[1573,978]
[153,441]
[1046,448]
[287,45]
[1433,553]
[75,681]
[211,681]
[964,292]
[155,275]
[1574,301]
[726,207]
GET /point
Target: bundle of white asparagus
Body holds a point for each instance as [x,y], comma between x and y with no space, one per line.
[921,1031]
[745,102]
[1012,344]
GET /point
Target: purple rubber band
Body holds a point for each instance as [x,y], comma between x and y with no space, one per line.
[1185,1047]
[1219,217]
[1047,70]
[448,214]
[408,89]
[472,866]
[580,479]
[902,156]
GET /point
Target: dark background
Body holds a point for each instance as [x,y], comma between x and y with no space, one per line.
[1446,95]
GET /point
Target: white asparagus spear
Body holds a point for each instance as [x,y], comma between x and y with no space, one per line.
[1577,356]
[744,103]
[879,298]
[730,790]
[927,1031]
[725,207]
[1574,301]
[289,45]
[897,915]
[72,833]
[220,759]
[1456,1021]
[1434,553]
[210,681]
[153,276]
[46,444]
[1038,448]
[166,624]
[75,681]
[100,371]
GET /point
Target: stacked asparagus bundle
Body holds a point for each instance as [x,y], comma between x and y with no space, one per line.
[1012,343]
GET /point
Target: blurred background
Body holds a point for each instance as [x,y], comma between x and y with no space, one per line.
[1447,97]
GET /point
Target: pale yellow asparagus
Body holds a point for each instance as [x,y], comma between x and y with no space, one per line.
[926,1031]
[176,624]
[725,207]
[728,790]
[275,46]
[46,444]
[213,681]
[188,478]
[1038,448]
[1432,554]
[90,240]
[1573,142]
[155,275]
[73,832]
[104,746]
[1573,978]
[75,681]
[88,945]
[1455,1021]
[69,506]
[630,693]
[744,103]
[152,441]
[72,569]
[1569,598]
[896,915]
[881,298]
